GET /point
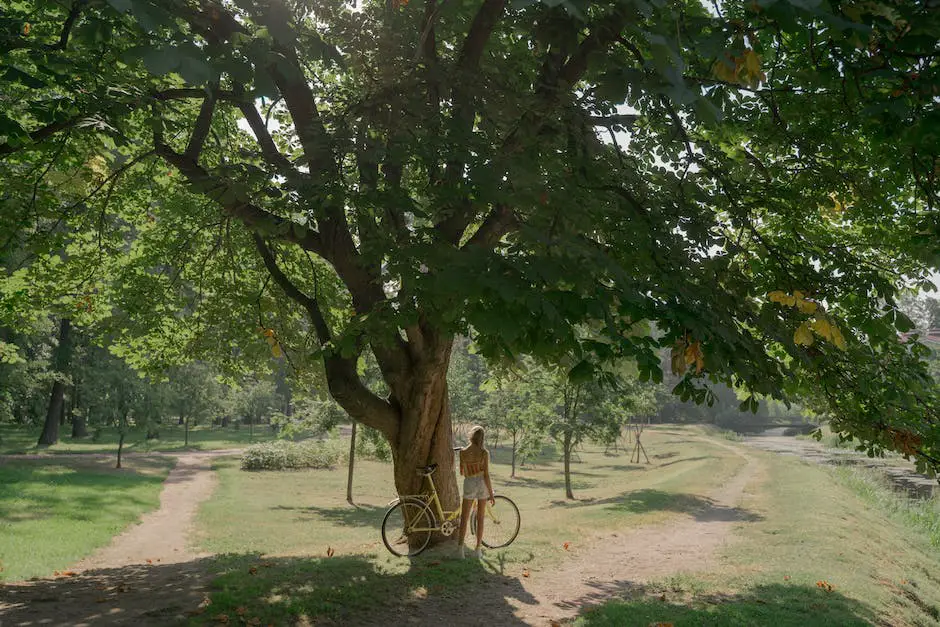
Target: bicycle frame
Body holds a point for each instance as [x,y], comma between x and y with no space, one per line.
[438,513]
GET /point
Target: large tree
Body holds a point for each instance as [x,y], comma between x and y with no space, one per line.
[387,175]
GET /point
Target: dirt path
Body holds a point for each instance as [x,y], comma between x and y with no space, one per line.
[898,471]
[148,575]
[613,565]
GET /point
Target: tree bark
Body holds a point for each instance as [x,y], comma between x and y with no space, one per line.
[425,435]
[186,432]
[79,425]
[120,449]
[514,443]
[50,431]
[567,446]
[352,464]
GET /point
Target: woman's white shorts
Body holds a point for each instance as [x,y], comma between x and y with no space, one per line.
[475,488]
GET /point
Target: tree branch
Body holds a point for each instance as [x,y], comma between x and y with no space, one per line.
[341,375]
[498,223]
[268,148]
[479,34]
[310,304]
[201,128]
[233,202]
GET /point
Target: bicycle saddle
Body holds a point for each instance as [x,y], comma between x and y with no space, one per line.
[426,470]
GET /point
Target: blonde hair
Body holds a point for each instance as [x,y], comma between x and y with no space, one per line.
[476,436]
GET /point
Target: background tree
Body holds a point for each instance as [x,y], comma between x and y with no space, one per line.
[417,171]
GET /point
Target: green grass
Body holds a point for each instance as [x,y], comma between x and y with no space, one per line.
[814,527]
[17,440]
[53,513]
[297,516]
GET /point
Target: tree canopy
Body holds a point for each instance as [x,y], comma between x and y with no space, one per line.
[227,179]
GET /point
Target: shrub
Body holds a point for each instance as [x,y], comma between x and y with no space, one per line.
[282,455]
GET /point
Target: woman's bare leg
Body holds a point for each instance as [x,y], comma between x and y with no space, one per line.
[481,512]
[465,505]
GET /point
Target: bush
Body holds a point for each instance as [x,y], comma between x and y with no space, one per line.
[282,455]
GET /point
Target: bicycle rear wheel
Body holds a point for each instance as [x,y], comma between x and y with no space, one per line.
[407,527]
[500,525]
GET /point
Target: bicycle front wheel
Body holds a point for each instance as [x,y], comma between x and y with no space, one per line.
[500,524]
[407,527]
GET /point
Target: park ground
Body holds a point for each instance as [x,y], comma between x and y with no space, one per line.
[713,531]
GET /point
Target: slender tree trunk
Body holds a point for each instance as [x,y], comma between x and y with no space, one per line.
[79,425]
[251,427]
[50,431]
[123,429]
[514,442]
[567,446]
[352,464]
[186,432]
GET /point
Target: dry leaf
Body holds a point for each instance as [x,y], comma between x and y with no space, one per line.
[149,561]
[329,551]
[566,545]
[220,618]
[252,570]
[241,610]
[525,572]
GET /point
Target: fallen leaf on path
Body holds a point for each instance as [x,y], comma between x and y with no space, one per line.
[329,551]
[149,561]
[525,572]
[241,610]
[220,618]
[786,577]
[252,570]
[566,545]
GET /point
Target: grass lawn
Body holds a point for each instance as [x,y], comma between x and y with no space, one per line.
[55,512]
[254,516]
[16,440]
[820,527]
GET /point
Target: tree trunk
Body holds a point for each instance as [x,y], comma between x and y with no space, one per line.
[186,432]
[181,421]
[514,443]
[425,437]
[352,464]
[79,425]
[567,446]
[50,431]
[120,448]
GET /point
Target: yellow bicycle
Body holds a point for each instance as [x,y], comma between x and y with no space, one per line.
[411,519]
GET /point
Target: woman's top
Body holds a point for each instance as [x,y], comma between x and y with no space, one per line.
[473,461]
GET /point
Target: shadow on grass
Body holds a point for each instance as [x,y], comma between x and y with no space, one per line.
[58,488]
[686,459]
[649,500]
[343,590]
[775,604]
[346,515]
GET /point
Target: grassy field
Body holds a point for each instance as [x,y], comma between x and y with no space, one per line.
[304,514]
[828,550]
[55,512]
[17,440]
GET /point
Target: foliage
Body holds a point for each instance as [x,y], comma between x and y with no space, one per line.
[413,174]
[281,455]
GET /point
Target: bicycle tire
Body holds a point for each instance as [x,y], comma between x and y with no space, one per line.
[394,533]
[503,521]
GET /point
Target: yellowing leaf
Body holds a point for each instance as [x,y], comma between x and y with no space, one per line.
[803,336]
[781,297]
[806,306]
[276,351]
